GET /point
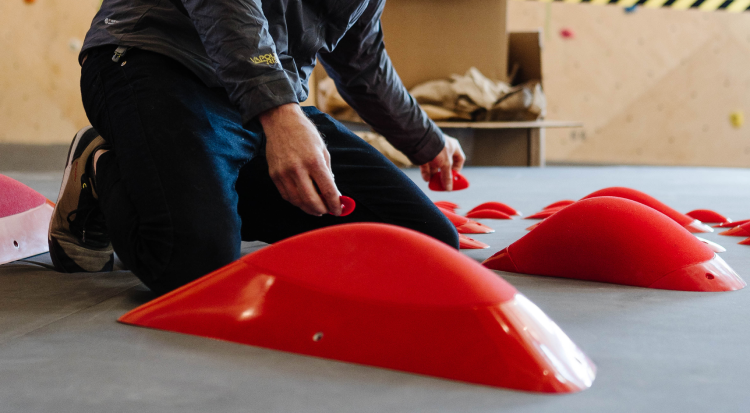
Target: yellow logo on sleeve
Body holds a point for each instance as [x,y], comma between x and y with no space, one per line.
[268,58]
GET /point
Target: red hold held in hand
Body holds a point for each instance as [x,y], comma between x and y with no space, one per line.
[347,205]
[459,182]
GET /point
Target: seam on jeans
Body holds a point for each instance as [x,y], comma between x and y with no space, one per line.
[156,177]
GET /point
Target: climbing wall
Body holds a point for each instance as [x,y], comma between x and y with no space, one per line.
[39,74]
[651,86]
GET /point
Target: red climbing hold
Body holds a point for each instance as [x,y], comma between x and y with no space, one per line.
[466,243]
[732,224]
[495,206]
[487,214]
[707,215]
[347,205]
[619,241]
[559,204]
[544,213]
[465,225]
[739,231]
[386,297]
[691,224]
[447,205]
[459,182]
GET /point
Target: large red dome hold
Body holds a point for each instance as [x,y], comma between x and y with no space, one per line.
[24,220]
[619,241]
[383,296]
[691,224]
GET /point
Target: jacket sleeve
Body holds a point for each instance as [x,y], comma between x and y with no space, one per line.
[236,38]
[366,79]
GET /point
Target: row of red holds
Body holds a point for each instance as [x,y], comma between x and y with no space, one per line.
[618,240]
[466,225]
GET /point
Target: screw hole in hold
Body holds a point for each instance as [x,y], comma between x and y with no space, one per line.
[709,276]
[15,243]
[318,336]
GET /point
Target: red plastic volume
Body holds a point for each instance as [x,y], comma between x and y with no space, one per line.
[618,241]
[739,231]
[707,215]
[465,225]
[466,243]
[691,224]
[559,204]
[487,214]
[459,182]
[447,205]
[495,206]
[732,224]
[383,296]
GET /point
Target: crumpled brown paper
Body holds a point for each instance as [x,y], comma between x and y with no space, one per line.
[475,97]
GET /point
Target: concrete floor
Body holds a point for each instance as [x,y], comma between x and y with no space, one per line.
[61,349]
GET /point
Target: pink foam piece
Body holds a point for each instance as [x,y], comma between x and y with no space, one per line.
[16,197]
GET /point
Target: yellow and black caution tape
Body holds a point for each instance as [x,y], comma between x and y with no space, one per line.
[732,6]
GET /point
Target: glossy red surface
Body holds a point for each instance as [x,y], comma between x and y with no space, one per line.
[620,241]
[383,296]
[645,199]
[459,182]
[543,214]
[495,206]
[347,205]
[739,231]
[466,243]
[732,224]
[447,205]
[465,225]
[533,226]
[559,204]
[707,215]
[16,197]
[745,242]
[487,214]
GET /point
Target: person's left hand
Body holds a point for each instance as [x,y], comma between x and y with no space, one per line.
[450,158]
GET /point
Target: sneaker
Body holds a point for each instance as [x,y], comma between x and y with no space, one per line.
[78,239]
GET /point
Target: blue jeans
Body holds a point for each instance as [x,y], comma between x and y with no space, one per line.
[184,182]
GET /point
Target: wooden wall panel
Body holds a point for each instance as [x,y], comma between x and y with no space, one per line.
[652,87]
[39,73]
[432,39]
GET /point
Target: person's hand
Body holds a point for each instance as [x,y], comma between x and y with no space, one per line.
[450,158]
[298,161]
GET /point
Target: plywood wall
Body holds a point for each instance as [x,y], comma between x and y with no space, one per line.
[652,87]
[433,39]
[39,73]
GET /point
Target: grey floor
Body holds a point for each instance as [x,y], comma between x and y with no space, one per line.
[61,349]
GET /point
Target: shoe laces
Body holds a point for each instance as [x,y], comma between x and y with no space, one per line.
[92,228]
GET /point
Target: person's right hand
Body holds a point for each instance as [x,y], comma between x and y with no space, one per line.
[298,161]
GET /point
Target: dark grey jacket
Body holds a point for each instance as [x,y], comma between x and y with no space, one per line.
[263,52]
